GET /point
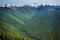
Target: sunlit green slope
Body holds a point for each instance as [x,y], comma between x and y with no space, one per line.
[29,23]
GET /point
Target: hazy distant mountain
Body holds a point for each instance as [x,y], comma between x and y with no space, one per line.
[30,23]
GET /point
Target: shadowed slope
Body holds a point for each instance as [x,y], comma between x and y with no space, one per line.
[30,23]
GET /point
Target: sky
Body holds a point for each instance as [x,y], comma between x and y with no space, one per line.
[23,2]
